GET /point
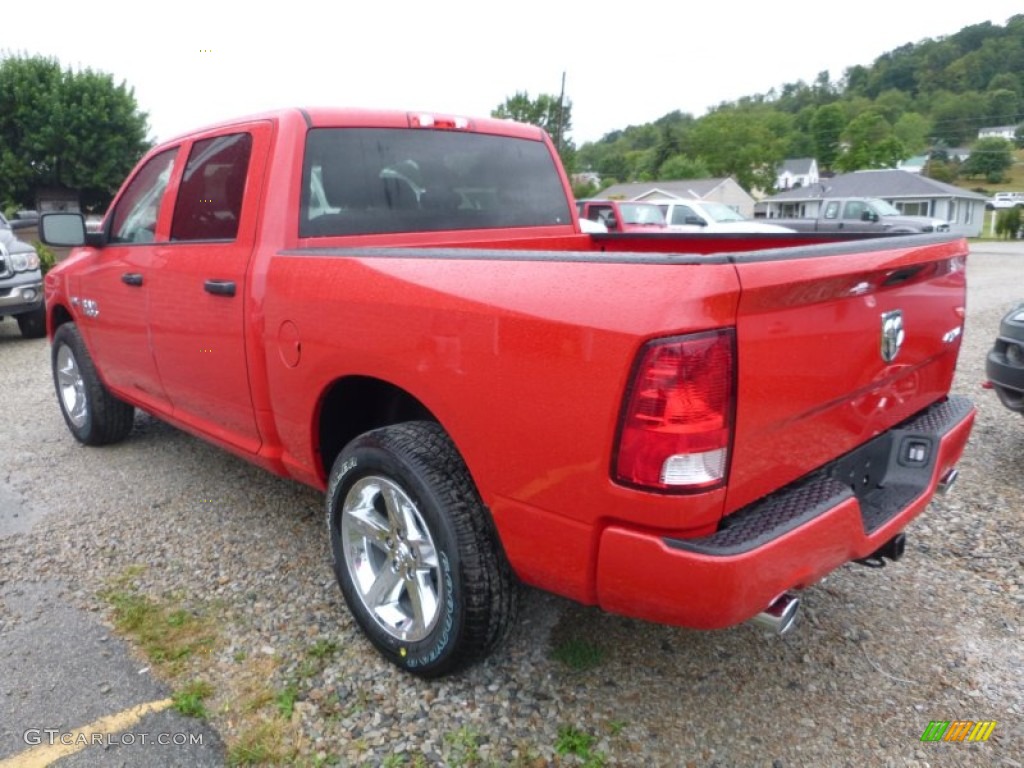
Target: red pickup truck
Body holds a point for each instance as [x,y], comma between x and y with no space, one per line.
[400,309]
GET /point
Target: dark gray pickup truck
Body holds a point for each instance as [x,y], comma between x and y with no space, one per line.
[1004,366]
[21,284]
[863,214]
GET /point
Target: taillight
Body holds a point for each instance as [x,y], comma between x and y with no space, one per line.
[421,120]
[676,428]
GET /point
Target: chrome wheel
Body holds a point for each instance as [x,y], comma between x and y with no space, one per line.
[391,558]
[71,387]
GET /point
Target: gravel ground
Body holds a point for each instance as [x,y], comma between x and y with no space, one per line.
[876,655]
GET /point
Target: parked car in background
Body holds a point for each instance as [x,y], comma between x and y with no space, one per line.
[708,216]
[21,284]
[1004,366]
[24,220]
[1003,200]
[622,215]
[864,214]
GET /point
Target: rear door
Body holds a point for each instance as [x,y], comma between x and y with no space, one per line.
[836,347]
[198,295]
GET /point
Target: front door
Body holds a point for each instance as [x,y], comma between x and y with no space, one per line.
[111,297]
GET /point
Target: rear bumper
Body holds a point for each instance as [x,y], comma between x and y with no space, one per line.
[789,540]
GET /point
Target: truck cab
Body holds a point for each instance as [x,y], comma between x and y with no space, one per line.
[623,215]
[710,216]
[21,284]
[869,214]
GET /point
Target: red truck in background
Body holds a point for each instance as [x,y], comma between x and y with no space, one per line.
[400,309]
[623,215]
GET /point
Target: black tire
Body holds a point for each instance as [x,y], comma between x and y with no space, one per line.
[92,413]
[33,324]
[447,595]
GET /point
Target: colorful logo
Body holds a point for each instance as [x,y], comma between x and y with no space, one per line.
[958,730]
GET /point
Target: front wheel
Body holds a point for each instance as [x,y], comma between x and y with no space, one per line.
[415,553]
[92,413]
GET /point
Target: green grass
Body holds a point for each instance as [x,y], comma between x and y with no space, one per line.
[578,654]
[167,633]
[189,699]
[573,741]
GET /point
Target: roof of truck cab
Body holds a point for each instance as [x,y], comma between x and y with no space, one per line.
[354,117]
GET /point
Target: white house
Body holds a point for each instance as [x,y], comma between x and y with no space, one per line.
[725,190]
[797,172]
[1007,132]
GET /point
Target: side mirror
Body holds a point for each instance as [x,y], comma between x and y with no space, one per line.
[696,220]
[869,216]
[68,230]
[62,229]
[611,222]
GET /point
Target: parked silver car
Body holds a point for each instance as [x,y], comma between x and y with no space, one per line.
[21,284]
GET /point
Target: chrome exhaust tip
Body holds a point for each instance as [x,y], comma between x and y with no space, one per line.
[948,481]
[780,615]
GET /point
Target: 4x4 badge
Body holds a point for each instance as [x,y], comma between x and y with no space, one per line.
[892,334]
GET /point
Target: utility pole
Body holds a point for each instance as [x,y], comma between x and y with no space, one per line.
[561,108]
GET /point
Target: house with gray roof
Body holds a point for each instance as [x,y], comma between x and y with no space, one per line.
[797,172]
[911,193]
[725,190]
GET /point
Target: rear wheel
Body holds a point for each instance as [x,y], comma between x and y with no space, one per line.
[415,552]
[33,324]
[92,413]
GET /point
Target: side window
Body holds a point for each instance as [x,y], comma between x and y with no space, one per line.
[139,207]
[832,210]
[210,196]
[855,209]
[681,213]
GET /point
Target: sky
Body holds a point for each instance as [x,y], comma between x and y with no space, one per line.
[624,63]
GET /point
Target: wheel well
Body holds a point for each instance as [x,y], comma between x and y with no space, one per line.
[58,316]
[358,404]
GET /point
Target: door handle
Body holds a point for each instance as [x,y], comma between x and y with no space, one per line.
[220,287]
[131,278]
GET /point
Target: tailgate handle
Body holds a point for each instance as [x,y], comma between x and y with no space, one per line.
[131,278]
[220,287]
[898,276]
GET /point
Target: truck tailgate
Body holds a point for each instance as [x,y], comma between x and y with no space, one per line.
[837,345]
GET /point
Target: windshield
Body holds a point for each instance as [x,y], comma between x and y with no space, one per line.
[721,212]
[378,180]
[642,213]
[883,208]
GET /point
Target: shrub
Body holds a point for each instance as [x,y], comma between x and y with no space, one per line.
[1008,223]
[47,258]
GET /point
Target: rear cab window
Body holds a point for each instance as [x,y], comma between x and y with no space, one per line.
[391,180]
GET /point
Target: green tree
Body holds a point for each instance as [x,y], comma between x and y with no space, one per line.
[747,144]
[990,158]
[870,143]
[549,112]
[914,130]
[826,128]
[680,167]
[65,129]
